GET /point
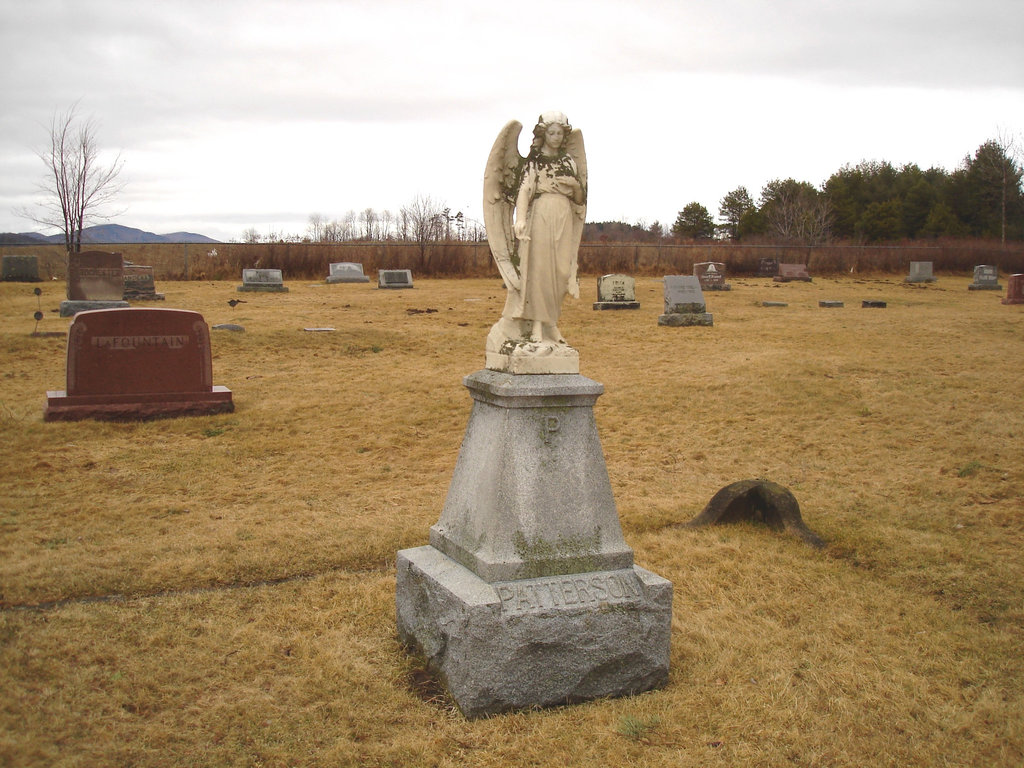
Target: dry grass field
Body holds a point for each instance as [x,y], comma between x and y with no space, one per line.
[219,591]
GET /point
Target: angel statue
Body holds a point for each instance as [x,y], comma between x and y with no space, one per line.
[534,208]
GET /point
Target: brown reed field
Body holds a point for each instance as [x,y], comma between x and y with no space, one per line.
[219,591]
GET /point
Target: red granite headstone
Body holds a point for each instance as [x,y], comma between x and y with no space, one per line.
[138,364]
[788,272]
[95,276]
[1014,290]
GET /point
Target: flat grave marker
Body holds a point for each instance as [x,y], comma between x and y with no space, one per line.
[792,272]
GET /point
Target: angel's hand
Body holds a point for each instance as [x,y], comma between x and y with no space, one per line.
[521,231]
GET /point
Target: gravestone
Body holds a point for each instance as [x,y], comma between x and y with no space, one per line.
[792,272]
[527,595]
[986,278]
[346,272]
[394,278]
[263,281]
[872,304]
[139,284]
[830,304]
[1014,290]
[711,275]
[774,304]
[133,364]
[616,292]
[95,281]
[20,268]
[684,302]
[920,272]
[767,267]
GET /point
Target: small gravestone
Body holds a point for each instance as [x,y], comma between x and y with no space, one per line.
[792,272]
[134,364]
[830,304]
[767,267]
[774,304]
[684,302]
[21,268]
[873,304]
[1014,290]
[986,278]
[616,292]
[394,278]
[920,272]
[139,284]
[229,327]
[761,501]
[95,281]
[711,275]
[346,272]
[263,281]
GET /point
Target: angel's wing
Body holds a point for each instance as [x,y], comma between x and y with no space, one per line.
[501,185]
[575,148]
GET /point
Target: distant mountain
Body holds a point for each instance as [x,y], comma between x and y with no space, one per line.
[105,233]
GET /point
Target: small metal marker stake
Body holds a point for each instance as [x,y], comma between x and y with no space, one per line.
[38,315]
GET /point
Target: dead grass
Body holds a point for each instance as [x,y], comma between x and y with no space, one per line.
[251,554]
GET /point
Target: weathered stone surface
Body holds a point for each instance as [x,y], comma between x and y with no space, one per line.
[229,327]
[534,642]
[72,308]
[1014,290]
[986,278]
[920,272]
[394,278]
[684,302]
[616,292]
[792,272]
[95,276]
[767,267]
[139,283]
[530,494]
[711,275]
[830,304]
[873,303]
[263,281]
[346,272]
[20,268]
[774,304]
[759,500]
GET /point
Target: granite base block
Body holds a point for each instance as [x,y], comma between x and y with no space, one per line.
[252,288]
[680,319]
[985,287]
[534,642]
[616,305]
[72,307]
[60,406]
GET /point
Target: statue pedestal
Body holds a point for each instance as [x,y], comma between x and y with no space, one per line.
[527,594]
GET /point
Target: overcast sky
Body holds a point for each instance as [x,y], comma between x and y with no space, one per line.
[231,114]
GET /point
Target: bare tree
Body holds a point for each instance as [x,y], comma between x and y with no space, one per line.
[316,227]
[369,219]
[422,220]
[77,185]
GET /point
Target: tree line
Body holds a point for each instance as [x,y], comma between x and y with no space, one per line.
[875,202]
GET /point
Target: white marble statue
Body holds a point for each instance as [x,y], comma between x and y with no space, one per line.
[534,208]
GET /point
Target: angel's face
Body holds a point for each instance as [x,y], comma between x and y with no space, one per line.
[554,135]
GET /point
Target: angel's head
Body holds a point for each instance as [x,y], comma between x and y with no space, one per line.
[551,132]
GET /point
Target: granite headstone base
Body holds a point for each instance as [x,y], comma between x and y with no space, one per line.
[262,288]
[984,287]
[70,308]
[680,319]
[533,642]
[60,406]
[616,305]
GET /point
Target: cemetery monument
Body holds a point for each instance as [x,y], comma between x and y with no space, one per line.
[684,302]
[920,272]
[20,268]
[346,272]
[527,595]
[711,275]
[95,281]
[263,281]
[789,273]
[767,266]
[986,278]
[134,364]
[139,283]
[616,292]
[1014,290]
[394,278]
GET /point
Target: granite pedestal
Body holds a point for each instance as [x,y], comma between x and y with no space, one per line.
[527,595]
